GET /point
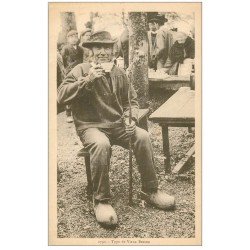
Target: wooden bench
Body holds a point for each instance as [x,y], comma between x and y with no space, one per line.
[143,123]
[177,111]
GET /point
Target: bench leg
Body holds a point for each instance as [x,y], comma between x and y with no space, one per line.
[89,178]
[166,152]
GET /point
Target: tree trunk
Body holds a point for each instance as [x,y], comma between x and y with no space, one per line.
[68,22]
[138,55]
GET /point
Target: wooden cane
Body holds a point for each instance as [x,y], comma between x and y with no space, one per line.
[130,174]
[130,201]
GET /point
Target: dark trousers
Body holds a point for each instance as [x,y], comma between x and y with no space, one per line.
[98,142]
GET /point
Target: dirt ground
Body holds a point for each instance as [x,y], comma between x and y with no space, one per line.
[74,212]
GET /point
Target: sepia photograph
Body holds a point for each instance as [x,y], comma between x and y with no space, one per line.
[125,123]
[136,125]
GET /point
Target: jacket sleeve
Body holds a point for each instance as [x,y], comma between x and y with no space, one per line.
[133,100]
[64,54]
[72,88]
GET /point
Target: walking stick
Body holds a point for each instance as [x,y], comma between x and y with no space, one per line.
[130,201]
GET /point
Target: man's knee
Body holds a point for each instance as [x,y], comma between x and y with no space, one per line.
[100,152]
[95,139]
[102,143]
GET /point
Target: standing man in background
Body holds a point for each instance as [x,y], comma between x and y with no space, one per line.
[84,36]
[153,24]
[61,73]
[124,46]
[164,41]
[72,55]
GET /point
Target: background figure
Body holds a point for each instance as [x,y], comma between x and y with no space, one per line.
[164,41]
[72,53]
[181,54]
[84,36]
[124,47]
[61,73]
[153,24]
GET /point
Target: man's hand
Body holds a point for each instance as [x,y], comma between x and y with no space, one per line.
[130,128]
[96,72]
[81,79]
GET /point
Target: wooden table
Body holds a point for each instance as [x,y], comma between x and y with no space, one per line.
[177,111]
[170,83]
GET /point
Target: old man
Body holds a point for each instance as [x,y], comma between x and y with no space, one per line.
[98,93]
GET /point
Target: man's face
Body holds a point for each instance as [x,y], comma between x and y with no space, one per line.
[153,26]
[102,53]
[73,39]
[180,37]
[85,37]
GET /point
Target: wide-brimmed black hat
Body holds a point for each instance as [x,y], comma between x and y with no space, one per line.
[161,19]
[99,37]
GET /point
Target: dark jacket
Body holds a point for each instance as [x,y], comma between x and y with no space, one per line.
[71,56]
[98,104]
[179,52]
[86,54]
[60,69]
